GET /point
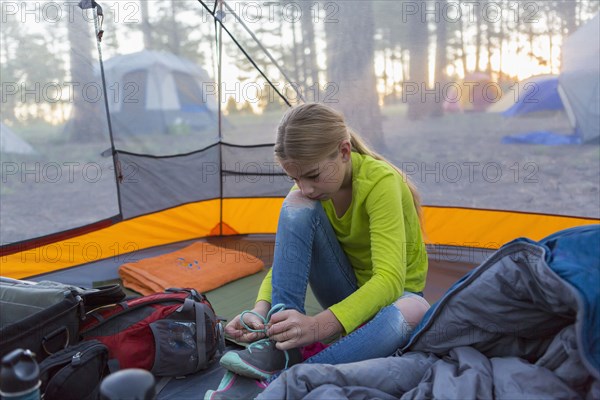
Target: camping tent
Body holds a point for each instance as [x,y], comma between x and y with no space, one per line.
[476,196]
[158,92]
[537,93]
[10,143]
[579,81]
[135,191]
[576,89]
[535,98]
[575,93]
[475,83]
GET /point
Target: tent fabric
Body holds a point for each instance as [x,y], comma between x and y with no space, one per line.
[536,95]
[159,91]
[251,171]
[221,170]
[515,90]
[469,229]
[542,137]
[479,102]
[11,143]
[117,240]
[185,222]
[576,89]
[473,228]
[579,80]
[143,174]
[154,179]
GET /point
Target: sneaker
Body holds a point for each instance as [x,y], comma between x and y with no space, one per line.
[260,360]
[236,387]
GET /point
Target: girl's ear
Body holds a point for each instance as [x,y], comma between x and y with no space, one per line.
[346,150]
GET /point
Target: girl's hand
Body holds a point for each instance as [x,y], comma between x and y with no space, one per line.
[237,331]
[291,329]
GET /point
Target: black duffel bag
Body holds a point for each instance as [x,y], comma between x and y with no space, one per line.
[44,317]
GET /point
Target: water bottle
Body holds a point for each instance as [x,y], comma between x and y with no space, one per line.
[128,384]
[20,376]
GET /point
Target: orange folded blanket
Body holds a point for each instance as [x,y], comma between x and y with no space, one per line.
[202,266]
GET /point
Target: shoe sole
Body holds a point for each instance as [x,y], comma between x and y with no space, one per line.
[232,362]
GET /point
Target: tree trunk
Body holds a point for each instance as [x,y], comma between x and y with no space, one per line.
[350,56]
[530,39]
[146,28]
[309,51]
[296,58]
[490,46]
[463,50]
[174,44]
[9,31]
[394,60]
[501,47]
[441,60]
[386,52]
[477,35]
[418,65]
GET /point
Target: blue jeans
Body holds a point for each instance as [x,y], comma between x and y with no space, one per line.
[307,251]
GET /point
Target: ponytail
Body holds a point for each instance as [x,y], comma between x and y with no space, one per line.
[359,146]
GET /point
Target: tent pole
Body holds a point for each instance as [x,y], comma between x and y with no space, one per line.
[116,166]
[218,19]
[295,86]
[219,36]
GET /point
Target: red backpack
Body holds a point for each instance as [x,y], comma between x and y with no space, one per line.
[169,334]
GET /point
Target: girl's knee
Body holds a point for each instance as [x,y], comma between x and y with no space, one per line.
[413,308]
[295,203]
[295,198]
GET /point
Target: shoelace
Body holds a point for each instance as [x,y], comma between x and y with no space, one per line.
[260,343]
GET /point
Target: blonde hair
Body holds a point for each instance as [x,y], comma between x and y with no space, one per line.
[312,132]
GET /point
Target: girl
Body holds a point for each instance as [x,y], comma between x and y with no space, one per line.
[351,229]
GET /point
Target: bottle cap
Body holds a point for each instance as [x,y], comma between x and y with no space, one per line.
[19,372]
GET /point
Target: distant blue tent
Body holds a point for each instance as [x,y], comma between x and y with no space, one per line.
[576,90]
[537,95]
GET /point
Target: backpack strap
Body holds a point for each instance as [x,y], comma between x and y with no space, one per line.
[201,334]
[198,308]
[102,296]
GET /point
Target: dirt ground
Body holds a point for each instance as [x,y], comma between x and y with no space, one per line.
[459,160]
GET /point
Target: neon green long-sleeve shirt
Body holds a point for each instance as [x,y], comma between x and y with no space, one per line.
[381,236]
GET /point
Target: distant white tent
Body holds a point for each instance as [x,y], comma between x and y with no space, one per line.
[579,81]
[157,91]
[10,143]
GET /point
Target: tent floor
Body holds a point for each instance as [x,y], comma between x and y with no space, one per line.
[446,266]
[231,299]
